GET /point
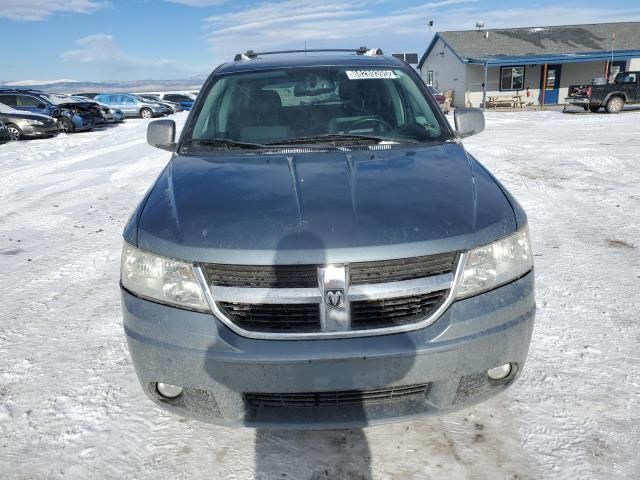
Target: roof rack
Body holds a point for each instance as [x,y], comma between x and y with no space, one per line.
[251,55]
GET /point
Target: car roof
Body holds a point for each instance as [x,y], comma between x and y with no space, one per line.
[312,60]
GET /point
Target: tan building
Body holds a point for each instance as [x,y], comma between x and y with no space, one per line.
[477,64]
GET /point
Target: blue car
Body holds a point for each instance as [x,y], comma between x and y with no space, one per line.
[322,252]
[71,115]
[185,101]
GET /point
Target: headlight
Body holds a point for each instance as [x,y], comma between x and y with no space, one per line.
[492,265]
[32,122]
[160,278]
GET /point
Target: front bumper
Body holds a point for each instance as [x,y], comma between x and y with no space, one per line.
[577,101]
[82,123]
[39,131]
[217,367]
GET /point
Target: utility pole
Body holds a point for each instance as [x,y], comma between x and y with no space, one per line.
[613,41]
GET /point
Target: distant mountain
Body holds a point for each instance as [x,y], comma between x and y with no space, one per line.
[32,83]
[74,86]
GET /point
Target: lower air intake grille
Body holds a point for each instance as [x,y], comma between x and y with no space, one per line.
[325,399]
[394,312]
[274,317]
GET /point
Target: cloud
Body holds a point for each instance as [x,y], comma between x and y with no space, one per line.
[352,23]
[30,10]
[102,52]
[291,23]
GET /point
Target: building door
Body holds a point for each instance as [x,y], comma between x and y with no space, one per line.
[550,84]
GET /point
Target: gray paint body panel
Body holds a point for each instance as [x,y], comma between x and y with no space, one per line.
[216,366]
[334,207]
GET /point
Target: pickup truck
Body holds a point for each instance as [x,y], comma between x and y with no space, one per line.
[322,252]
[611,96]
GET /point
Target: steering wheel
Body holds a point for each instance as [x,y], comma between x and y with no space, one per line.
[373,121]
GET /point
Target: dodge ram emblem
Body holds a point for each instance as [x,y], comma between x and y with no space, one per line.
[334,298]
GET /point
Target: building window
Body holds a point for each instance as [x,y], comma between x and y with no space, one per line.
[615,69]
[512,78]
[429,77]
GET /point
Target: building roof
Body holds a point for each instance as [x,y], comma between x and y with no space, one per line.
[538,43]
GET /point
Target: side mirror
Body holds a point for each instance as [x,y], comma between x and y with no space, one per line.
[469,121]
[41,106]
[162,134]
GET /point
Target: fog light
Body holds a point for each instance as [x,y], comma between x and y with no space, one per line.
[168,391]
[499,373]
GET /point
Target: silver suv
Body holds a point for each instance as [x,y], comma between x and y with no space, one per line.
[133,105]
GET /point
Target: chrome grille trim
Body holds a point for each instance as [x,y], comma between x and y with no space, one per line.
[404,288]
[313,295]
[266,295]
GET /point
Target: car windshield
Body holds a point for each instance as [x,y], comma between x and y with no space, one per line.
[314,105]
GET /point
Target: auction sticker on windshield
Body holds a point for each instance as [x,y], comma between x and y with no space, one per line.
[367,74]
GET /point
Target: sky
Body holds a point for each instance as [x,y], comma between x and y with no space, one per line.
[102,40]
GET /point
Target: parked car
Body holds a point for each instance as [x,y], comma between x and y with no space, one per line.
[100,114]
[184,99]
[612,96]
[71,116]
[440,98]
[23,125]
[324,253]
[175,107]
[132,105]
[111,115]
[4,134]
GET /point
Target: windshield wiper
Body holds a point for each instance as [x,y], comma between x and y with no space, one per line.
[336,137]
[224,142]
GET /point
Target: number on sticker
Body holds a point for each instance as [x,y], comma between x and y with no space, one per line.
[366,74]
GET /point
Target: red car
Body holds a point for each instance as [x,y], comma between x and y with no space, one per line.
[439,96]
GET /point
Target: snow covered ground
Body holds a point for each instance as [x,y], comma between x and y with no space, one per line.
[71,407]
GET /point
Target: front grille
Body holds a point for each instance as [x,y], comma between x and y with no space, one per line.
[284,300]
[262,276]
[327,399]
[395,312]
[275,318]
[402,269]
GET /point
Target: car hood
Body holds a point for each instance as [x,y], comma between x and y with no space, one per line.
[322,207]
[78,105]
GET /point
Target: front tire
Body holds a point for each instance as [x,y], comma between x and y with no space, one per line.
[594,108]
[614,105]
[15,133]
[65,125]
[146,113]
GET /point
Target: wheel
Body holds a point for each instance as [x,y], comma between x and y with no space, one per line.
[146,113]
[614,105]
[14,132]
[594,108]
[65,125]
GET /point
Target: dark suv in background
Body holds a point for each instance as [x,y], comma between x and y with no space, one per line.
[71,115]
